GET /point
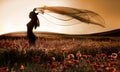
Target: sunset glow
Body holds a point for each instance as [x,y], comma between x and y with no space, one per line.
[14,15]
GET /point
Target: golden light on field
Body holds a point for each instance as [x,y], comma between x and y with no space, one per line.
[14,15]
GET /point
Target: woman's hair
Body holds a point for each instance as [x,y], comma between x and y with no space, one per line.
[34,9]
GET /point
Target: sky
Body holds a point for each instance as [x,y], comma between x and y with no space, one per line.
[14,15]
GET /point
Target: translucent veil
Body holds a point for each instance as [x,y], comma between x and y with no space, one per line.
[86,16]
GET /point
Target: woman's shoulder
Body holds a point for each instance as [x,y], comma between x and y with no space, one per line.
[32,14]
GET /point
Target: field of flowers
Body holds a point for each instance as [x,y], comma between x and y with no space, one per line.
[60,55]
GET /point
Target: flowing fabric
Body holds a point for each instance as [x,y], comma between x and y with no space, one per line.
[82,15]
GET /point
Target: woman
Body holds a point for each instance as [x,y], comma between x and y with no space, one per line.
[34,23]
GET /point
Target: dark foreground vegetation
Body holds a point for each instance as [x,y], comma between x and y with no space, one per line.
[60,54]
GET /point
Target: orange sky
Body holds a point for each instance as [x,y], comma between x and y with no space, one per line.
[14,15]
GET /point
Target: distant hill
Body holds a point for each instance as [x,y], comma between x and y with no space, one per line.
[108,33]
[112,33]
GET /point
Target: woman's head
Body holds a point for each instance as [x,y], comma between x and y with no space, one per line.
[34,9]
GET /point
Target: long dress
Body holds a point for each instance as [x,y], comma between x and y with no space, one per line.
[34,22]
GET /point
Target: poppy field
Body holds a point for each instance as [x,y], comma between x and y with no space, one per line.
[88,54]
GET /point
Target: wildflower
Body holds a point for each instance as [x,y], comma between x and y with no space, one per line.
[24,51]
[108,64]
[22,67]
[61,67]
[4,69]
[88,61]
[95,65]
[114,55]
[76,61]
[119,53]
[89,56]
[117,70]
[20,49]
[99,70]
[96,59]
[36,59]
[69,63]
[103,55]
[53,66]
[46,51]
[15,64]
[14,49]
[64,50]
[49,50]
[53,59]
[85,56]
[70,56]
[107,68]
[7,69]
[12,70]
[112,70]
[30,71]
[114,64]
[42,65]
[78,54]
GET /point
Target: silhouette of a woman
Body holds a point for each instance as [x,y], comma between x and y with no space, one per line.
[34,23]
